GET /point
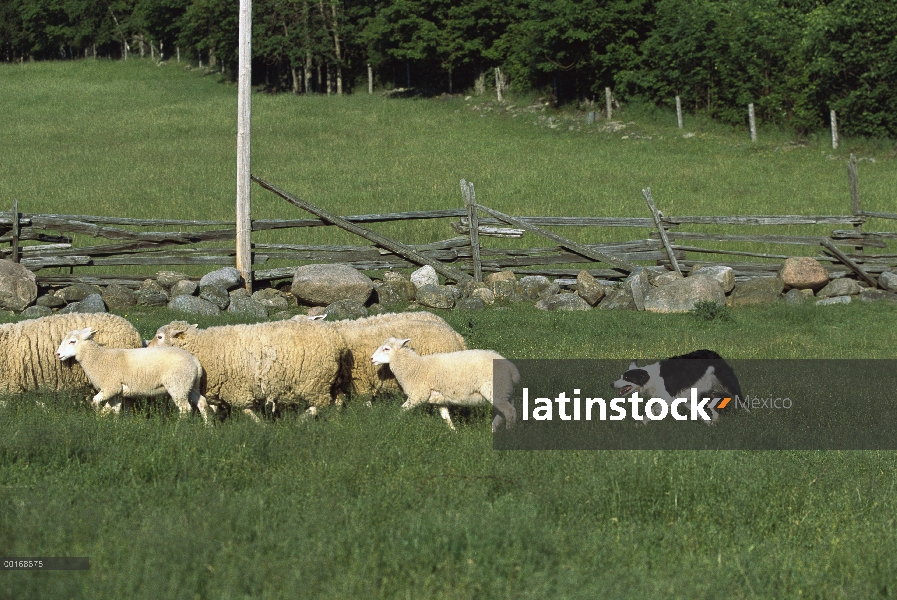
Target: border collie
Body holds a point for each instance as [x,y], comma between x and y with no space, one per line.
[672,378]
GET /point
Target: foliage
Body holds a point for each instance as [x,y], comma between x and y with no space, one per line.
[707,310]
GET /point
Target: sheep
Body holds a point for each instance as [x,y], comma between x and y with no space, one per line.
[136,372]
[27,351]
[277,363]
[362,378]
[463,378]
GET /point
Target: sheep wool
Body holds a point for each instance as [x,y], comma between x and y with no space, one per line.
[461,378]
[278,363]
[28,351]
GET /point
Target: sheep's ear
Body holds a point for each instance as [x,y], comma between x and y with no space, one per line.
[404,342]
[87,333]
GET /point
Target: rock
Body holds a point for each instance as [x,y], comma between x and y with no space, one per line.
[119,297]
[839,287]
[246,307]
[151,294]
[471,303]
[396,291]
[484,294]
[888,281]
[217,296]
[435,296]
[316,311]
[227,278]
[665,278]
[536,287]
[345,309]
[565,301]
[239,293]
[36,312]
[78,292]
[507,290]
[184,287]
[795,296]
[803,272]
[282,315]
[589,289]
[638,285]
[682,295]
[324,284]
[724,276]
[456,291]
[193,305]
[426,275]
[828,301]
[868,295]
[51,301]
[91,304]
[375,309]
[760,290]
[491,278]
[390,276]
[168,278]
[617,298]
[271,299]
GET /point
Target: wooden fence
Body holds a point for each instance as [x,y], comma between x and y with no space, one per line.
[460,257]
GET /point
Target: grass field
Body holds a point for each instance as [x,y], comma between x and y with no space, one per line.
[376,503]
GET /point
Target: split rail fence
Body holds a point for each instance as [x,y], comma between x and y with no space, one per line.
[463,256]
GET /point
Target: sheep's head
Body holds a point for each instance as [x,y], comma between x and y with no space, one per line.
[171,334]
[385,352]
[69,346]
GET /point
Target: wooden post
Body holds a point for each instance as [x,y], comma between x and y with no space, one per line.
[663,234]
[679,111]
[498,84]
[470,202]
[609,100]
[14,243]
[850,264]
[370,79]
[752,121]
[244,114]
[834,120]
[393,246]
[856,208]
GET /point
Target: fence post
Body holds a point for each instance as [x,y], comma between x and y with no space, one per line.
[244,116]
[834,120]
[856,208]
[679,111]
[14,242]
[608,100]
[473,221]
[663,234]
[752,121]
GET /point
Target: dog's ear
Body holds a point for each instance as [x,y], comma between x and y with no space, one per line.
[632,365]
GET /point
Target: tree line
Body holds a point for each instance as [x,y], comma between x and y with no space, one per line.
[794,59]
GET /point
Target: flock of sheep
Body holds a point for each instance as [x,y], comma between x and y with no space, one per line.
[304,362]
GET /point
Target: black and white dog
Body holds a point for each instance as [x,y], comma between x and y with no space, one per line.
[672,378]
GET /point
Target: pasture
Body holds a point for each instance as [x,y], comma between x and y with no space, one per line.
[371,502]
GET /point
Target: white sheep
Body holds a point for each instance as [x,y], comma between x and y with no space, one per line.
[277,363]
[27,351]
[136,372]
[362,378]
[463,378]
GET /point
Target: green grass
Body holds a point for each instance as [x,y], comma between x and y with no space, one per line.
[379,503]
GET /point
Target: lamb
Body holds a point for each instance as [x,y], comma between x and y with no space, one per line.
[136,372]
[27,351]
[271,364]
[362,378]
[463,378]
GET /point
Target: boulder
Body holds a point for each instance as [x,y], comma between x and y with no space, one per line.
[724,276]
[183,287]
[760,290]
[869,295]
[589,289]
[36,312]
[888,281]
[50,301]
[484,294]
[435,296]
[681,296]
[78,292]
[536,287]
[618,298]
[216,295]
[491,278]
[227,278]
[345,309]
[168,278]
[151,294]
[271,299]
[795,296]
[803,272]
[395,291]
[426,275]
[193,306]
[91,304]
[665,278]
[565,301]
[245,306]
[828,301]
[119,297]
[507,290]
[323,284]
[638,285]
[840,287]
[240,292]
[389,276]
[471,303]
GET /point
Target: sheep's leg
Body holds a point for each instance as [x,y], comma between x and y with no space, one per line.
[444,411]
[198,401]
[507,413]
[104,395]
